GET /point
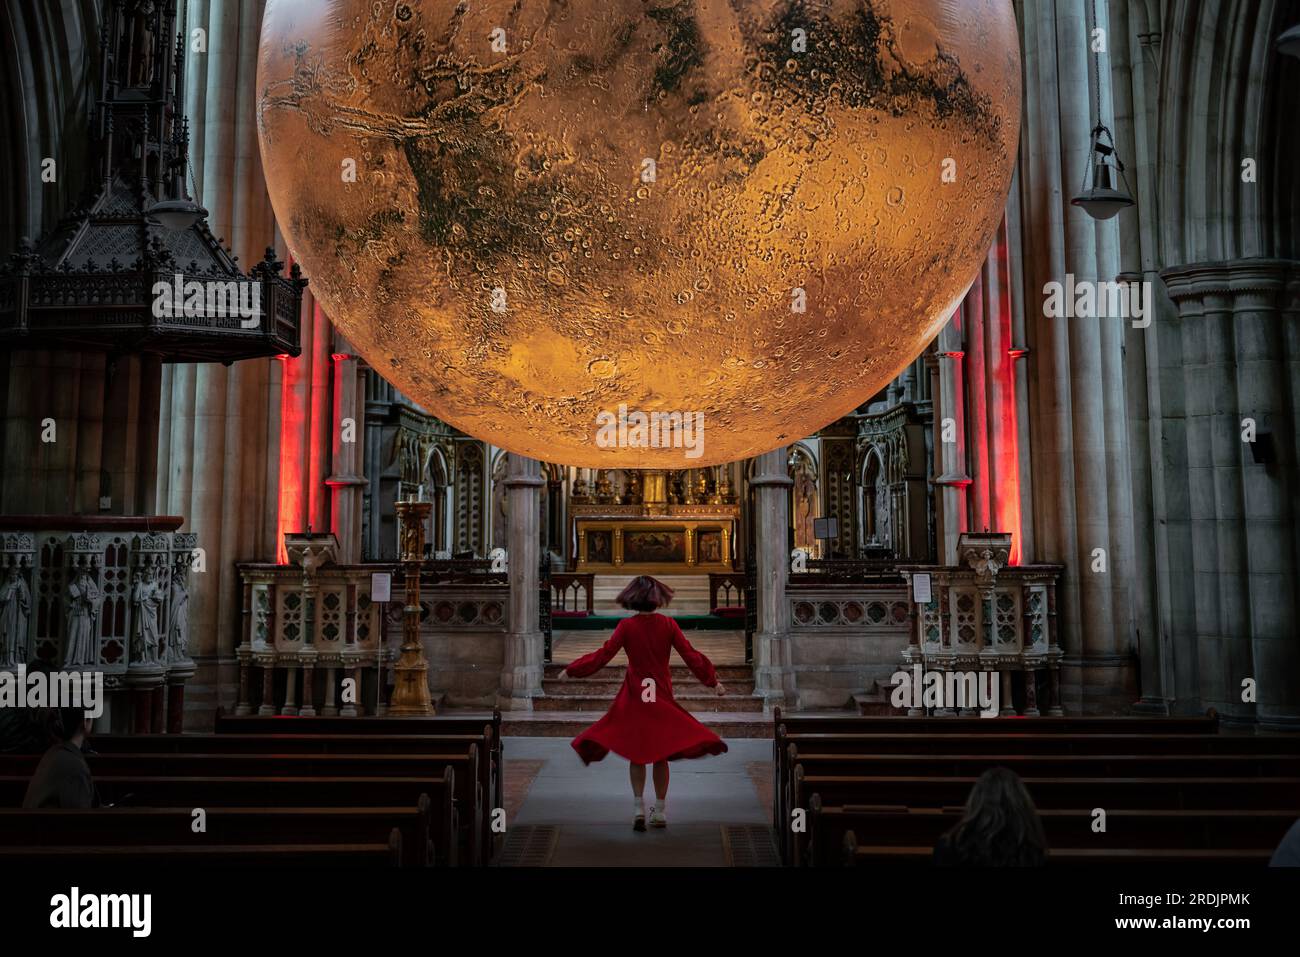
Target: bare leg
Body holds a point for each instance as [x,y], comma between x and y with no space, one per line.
[660,779]
[637,773]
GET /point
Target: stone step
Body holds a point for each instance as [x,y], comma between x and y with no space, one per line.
[679,673]
[690,593]
[567,724]
[704,702]
[593,686]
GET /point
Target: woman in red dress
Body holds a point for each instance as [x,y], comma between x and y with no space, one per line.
[644,724]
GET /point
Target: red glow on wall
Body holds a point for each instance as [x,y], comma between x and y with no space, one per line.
[305,421]
[293,454]
[1006,469]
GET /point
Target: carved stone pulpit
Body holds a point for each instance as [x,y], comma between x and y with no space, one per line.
[310,551]
[986,554]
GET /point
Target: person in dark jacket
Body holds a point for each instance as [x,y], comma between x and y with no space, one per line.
[63,779]
[1288,851]
[1000,827]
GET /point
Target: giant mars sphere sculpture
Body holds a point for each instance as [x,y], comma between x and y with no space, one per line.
[526,214]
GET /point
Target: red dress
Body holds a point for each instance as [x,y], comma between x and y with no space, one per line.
[644,731]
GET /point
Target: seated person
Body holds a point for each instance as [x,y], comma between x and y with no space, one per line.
[1288,852]
[999,828]
[62,779]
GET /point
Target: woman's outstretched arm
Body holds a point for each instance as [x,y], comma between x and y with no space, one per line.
[590,664]
[700,666]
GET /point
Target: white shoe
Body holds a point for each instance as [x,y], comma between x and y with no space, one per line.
[638,821]
[658,818]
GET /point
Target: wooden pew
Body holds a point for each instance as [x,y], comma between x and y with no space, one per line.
[1094,766]
[106,827]
[1049,765]
[872,736]
[490,776]
[211,855]
[468,794]
[1165,774]
[472,723]
[1007,743]
[1260,829]
[784,724]
[1124,724]
[444,724]
[287,792]
[283,743]
[1191,793]
[868,856]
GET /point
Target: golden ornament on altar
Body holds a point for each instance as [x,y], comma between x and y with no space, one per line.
[527,215]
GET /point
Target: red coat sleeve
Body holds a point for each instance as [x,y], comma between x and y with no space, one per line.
[700,666]
[590,664]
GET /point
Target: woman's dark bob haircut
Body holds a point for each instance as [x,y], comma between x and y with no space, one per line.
[644,593]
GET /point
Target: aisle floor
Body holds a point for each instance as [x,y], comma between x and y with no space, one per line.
[592,805]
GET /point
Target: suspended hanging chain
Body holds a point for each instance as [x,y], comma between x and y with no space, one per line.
[1096,68]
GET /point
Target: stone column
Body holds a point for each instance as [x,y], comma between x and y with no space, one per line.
[308,709]
[521,673]
[1240,349]
[975,369]
[330,709]
[346,482]
[215,461]
[953,480]
[244,705]
[1031,693]
[1135,68]
[1007,708]
[374,446]
[774,678]
[268,690]
[290,690]
[175,707]
[1079,418]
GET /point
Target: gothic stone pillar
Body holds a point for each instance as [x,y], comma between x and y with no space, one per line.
[774,678]
[521,673]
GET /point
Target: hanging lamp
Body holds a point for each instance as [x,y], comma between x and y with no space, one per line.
[1102,197]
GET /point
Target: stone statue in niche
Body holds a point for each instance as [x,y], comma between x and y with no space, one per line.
[148,599]
[884,511]
[142,44]
[177,646]
[15,607]
[500,507]
[806,510]
[81,645]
